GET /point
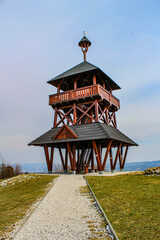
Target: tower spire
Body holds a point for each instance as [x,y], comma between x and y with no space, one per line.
[84,44]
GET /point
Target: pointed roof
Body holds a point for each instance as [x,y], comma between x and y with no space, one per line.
[84,39]
[82,68]
[85,133]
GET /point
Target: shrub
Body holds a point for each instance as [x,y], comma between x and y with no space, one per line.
[8,171]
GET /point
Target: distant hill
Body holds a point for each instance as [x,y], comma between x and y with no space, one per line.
[133,166]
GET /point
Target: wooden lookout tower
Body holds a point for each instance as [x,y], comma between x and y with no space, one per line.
[85,127]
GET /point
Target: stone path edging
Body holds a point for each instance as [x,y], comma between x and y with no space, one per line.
[102,211]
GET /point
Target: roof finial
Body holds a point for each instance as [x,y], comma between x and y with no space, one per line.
[84,44]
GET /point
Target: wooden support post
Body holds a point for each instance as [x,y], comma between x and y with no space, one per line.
[114,118]
[106,155]
[96,110]
[75,83]
[116,157]
[100,152]
[87,163]
[111,159]
[92,160]
[66,159]
[74,114]
[62,159]
[97,155]
[70,155]
[58,88]
[94,79]
[74,157]
[125,155]
[47,158]
[55,118]
[51,158]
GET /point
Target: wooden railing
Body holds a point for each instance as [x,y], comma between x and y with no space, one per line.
[84,92]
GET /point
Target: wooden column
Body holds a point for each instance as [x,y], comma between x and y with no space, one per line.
[70,156]
[55,117]
[106,155]
[117,154]
[66,159]
[49,160]
[125,155]
[58,88]
[74,113]
[94,79]
[96,110]
[62,159]
[97,155]
[92,160]
[111,159]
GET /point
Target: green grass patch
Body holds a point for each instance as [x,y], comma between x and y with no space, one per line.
[18,194]
[131,203]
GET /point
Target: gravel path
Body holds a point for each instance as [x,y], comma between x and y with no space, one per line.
[64,213]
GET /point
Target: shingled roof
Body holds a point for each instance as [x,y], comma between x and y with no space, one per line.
[85,132]
[82,68]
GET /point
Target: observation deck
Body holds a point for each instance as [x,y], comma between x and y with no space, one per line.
[95,91]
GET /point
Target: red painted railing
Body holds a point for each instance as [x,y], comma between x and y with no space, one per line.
[84,92]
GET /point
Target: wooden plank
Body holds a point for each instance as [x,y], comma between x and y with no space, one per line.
[111,158]
[66,159]
[106,155]
[55,118]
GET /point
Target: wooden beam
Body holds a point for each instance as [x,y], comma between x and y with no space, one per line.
[111,158]
[61,113]
[66,159]
[55,118]
[74,114]
[96,110]
[125,155]
[84,113]
[94,79]
[47,156]
[51,157]
[70,155]
[64,117]
[106,155]
[62,159]
[116,157]
[74,157]
[97,155]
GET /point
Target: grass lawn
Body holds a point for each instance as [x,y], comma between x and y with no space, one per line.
[17,195]
[131,203]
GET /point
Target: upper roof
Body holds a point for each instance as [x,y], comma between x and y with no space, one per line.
[85,132]
[82,68]
[84,39]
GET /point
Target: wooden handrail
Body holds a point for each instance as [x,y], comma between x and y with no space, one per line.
[91,90]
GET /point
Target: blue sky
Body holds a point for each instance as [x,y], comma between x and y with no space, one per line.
[39,41]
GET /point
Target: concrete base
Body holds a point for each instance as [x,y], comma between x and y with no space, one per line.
[100,172]
[65,171]
[121,170]
[92,171]
[112,171]
[49,172]
[73,172]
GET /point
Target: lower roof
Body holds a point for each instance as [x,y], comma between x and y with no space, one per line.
[85,133]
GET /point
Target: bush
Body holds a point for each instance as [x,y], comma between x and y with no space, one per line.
[8,171]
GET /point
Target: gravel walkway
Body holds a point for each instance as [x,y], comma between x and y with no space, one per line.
[64,213]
